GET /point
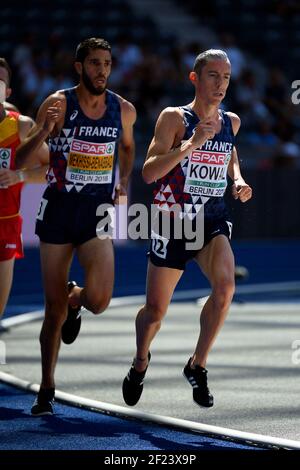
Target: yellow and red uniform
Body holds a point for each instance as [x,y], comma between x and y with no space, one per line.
[10,198]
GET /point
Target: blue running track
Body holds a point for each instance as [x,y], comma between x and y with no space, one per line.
[78,429]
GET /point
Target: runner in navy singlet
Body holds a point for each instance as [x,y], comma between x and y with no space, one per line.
[189,157]
[87,126]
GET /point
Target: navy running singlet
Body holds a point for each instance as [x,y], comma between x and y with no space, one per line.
[201,177]
[83,157]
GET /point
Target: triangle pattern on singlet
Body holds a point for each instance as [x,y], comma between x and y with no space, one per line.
[188,208]
[204,199]
[158,196]
[195,199]
[164,206]
[51,176]
[197,208]
[185,162]
[171,199]
[66,132]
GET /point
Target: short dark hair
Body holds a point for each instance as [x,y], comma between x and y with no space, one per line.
[4,64]
[203,58]
[83,48]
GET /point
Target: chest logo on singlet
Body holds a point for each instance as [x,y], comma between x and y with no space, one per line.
[90,163]
[207,173]
[90,131]
[5,156]
[73,115]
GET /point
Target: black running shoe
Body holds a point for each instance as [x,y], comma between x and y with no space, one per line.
[43,404]
[133,384]
[198,379]
[71,327]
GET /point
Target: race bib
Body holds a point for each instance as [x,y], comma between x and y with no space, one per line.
[5,157]
[90,163]
[207,173]
[159,245]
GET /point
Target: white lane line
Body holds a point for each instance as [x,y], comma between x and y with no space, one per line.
[22,318]
[94,405]
[269,287]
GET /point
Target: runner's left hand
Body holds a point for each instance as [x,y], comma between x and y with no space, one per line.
[241,191]
[120,194]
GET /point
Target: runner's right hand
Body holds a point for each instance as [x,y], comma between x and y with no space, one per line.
[8,177]
[53,116]
[204,131]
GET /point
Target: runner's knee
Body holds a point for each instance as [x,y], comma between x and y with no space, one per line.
[223,292]
[97,305]
[155,311]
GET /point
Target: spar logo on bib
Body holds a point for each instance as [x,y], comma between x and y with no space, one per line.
[5,156]
[90,162]
[212,158]
[206,173]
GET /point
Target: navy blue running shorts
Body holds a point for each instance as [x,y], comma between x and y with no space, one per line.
[173,253]
[67,217]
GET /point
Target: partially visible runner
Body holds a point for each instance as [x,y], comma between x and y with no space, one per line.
[189,156]
[10,107]
[90,122]
[14,127]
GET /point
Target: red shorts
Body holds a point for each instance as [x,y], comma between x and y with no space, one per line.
[11,245]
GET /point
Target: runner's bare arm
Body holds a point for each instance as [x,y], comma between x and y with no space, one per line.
[240,189]
[49,119]
[126,147]
[26,125]
[234,170]
[162,157]
[234,165]
[34,175]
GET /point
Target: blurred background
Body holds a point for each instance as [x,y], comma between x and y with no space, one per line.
[154,45]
